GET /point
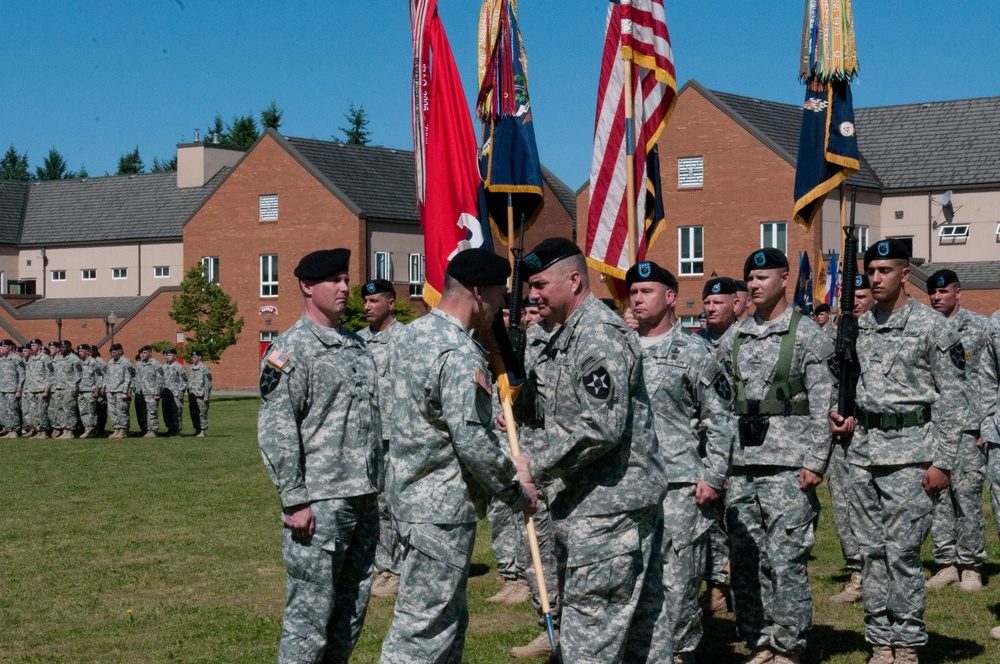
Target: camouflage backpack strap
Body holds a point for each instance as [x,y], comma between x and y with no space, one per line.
[741,392]
[781,388]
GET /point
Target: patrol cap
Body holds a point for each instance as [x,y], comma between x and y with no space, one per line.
[323,263]
[478,267]
[741,286]
[861,282]
[377,286]
[886,250]
[36,341]
[116,347]
[196,353]
[146,347]
[83,347]
[941,279]
[764,259]
[719,286]
[169,351]
[547,253]
[7,342]
[822,308]
[650,271]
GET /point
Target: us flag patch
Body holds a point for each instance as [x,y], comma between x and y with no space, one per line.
[277,358]
[483,381]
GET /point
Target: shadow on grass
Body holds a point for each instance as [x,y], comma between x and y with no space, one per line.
[941,648]
[478,569]
[826,641]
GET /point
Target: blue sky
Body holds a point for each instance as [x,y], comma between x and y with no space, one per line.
[95,79]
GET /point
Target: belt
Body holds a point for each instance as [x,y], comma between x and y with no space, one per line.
[893,421]
[754,407]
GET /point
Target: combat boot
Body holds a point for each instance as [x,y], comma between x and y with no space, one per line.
[713,602]
[881,655]
[118,433]
[851,592]
[501,594]
[56,434]
[149,434]
[11,434]
[538,648]
[946,576]
[200,434]
[786,658]
[68,434]
[686,657]
[386,584]
[88,432]
[905,655]
[971,582]
[518,591]
[41,435]
[761,655]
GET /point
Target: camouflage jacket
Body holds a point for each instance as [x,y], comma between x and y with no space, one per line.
[200,380]
[149,378]
[445,454]
[118,377]
[597,431]
[792,441]
[380,344]
[318,425]
[67,371]
[11,373]
[38,373]
[692,398]
[971,328]
[92,379]
[988,402]
[175,377]
[912,359]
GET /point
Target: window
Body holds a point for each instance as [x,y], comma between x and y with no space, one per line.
[954,234]
[383,265]
[269,275]
[690,172]
[88,275]
[119,273]
[58,275]
[690,322]
[416,275]
[773,234]
[691,248]
[907,242]
[161,271]
[862,235]
[268,336]
[269,207]
[211,271]
[998,231]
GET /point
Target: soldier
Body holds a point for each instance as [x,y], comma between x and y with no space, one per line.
[719,299]
[909,415]
[102,398]
[958,526]
[784,394]
[91,385]
[742,300]
[321,442]
[118,386]
[199,392]
[175,384]
[822,317]
[67,370]
[35,398]
[11,386]
[383,329]
[692,399]
[596,436]
[148,390]
[988,405]
[445,459]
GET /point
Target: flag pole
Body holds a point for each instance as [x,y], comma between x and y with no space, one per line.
[633,251]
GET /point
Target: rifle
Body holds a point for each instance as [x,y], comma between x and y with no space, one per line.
[845,359]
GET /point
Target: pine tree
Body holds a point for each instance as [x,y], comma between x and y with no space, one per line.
[356,132]
[14,166]
[53,168]
[130,163]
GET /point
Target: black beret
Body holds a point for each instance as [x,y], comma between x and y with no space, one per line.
[821,308]
[861,282]
[719,286]
[942,278]
[764,259]
[54,343]
[6,342]
[886,250]
[116,347]
[36,341]
[377,286]
[169,351]
[323,263]
[741,286]
[478,267]
[195,353]
[528,302]
[83,347]
[146,347]
[650,271]
[546,254]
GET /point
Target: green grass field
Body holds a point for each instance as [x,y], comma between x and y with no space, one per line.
[166,550]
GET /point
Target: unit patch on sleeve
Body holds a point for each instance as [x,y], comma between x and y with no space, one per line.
[269,379]
[957,354]
[722,387]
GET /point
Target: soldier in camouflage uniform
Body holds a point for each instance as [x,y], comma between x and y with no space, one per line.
[11,385]
[102,398]
[692,400]
[910,410]
[784,394]
[118,386]
[321,442]
[958,527]
[35,398]
[67,370]
[379,300]
[199,393]
[987,404]
[148,388]
[445,460]
[593,430]
[91,385]
[175,384]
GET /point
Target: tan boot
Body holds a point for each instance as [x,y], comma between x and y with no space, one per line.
[905,655]
[713,602]
[787,658]
[200,434]
[519,591]
[538,648]
[41,435]
[851,592]
[881,655]
[761,655]
[946,576]
[501,594]
[684,658]
[149,434]
[995,633]
[88,432]
[386,584]
[56,434]
[971,581]
[68,434]
[11,434]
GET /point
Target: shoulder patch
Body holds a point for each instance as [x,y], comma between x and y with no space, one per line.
[597,383]
[483,381]
[957,354]
[722,387]
[277,358]
[269,379]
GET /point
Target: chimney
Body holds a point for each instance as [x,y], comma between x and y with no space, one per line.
[197,163]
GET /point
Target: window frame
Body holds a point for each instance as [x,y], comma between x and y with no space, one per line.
[777,225]
[161,267]
[123,272]
[91,270]
[270,285]
[691,246]
[417,284]
[385,256]
[57,275]
[210,268]
[956,233]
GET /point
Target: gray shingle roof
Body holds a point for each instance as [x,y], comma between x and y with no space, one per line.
[565,195]
[81,307]
[110,209]
[11,209]
[977,275]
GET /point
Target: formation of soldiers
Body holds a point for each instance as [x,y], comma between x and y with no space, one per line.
[652,459]
[56,392]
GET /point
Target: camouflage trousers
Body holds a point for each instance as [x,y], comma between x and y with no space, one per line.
[685,544]
[993,476]
[837,479]
[173,410]
[147,413]
[387,552]
[613,608]
[35,409]
[62,410]
[772,528]
[554,573]
[508,540]
[329,580]
[717,549]
[892,517]
[10,411]
[118,410]
[199,413]
[958,527]
[432,612]
[86,402]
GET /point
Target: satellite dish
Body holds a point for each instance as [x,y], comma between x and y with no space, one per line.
[946,199]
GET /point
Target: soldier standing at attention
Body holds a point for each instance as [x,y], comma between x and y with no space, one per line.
[598,439]
[784,394]
[445,460]
[91,385]
[67,372]
[11,386]
[35,398]
[175,384]
[822,317]
[719,300]
[910,410]
[987,404]
[102,398]
[148,391]
[318,429]
[118,384]
[691,398]
[379,300]
[742,300]
[199,392]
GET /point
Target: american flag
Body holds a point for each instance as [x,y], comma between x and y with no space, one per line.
[636,34]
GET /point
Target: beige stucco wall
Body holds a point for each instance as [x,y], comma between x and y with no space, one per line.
[8,266]
[399,239]
[867,213]
[924,219]
[197,163]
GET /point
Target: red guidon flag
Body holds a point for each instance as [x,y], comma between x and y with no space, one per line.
[445,148]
